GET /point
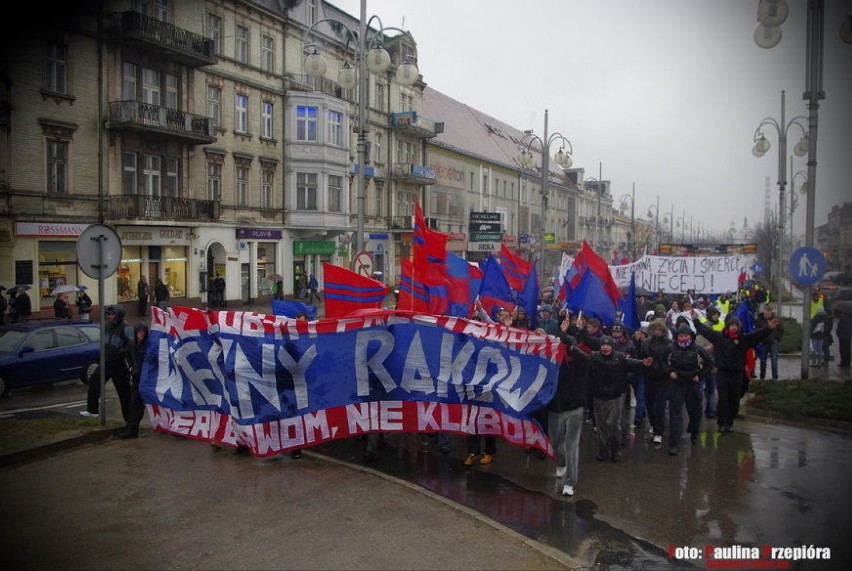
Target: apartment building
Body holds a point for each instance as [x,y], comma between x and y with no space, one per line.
[192,129]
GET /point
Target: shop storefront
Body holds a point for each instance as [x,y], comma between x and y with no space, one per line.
[264,242]
[157,252]
[308,256]
[46,258]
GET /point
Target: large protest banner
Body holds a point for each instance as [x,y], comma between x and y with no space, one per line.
[672,274]
[274,384]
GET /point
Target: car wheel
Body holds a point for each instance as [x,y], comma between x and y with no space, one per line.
[2,387]
[88,371]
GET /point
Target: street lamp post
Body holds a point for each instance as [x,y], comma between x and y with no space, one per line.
[370,54]
[526,160]
[761,146]
[654,213]
[631,243]
[767,35]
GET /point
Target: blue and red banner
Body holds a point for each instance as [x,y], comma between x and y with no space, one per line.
[275,384]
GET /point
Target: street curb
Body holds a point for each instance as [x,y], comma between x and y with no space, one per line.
[59,444]
[772,417]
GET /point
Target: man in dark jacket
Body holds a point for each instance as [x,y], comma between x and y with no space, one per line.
[117,338]
[565,414]
[687,365]
[768,350]
[608,379]
[729,352]
[657,346]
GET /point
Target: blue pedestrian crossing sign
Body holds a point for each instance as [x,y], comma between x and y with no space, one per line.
[807,266]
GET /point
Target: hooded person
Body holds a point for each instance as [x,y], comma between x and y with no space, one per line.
[608,371]
[624,344]
[729,353]
[657,346]
[118,336]
[687,365]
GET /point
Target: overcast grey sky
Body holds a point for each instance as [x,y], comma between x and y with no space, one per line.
[665,94]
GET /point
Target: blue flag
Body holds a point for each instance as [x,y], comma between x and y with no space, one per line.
[530,295]
[630,313]
[590,297]
[291,308]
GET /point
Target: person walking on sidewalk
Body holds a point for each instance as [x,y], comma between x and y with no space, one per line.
[162,295]
[313,286]
[729,351]
[142,294]
[136,352]
[768,350]
[117,338]
[819,328]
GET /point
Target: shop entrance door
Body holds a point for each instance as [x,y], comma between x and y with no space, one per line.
[298,272]
[245,283]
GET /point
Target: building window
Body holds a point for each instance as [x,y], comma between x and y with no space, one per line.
[335,193]
[406,102]
[57,167]
[306,191]
[378,153]
[171,91]
[214,106]
[266,124]
[379,97]
[151,86]
[56,67]
[380,200]
[267,178]
[312,12]
[404,152]
[170,178]
[151,175]
[214,31]
[335,128]
[214,181]
[306,124]
[241,114]
[242,44]
[485,183]
[128,82]
[267,53]
[242,185]
[129,173]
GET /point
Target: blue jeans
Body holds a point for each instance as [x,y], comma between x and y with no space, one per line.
[769,351]
[710,395]
[817,350]
[638,383]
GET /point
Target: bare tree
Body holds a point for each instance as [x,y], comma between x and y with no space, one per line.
[767,236]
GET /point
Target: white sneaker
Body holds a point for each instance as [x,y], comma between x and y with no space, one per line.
[561,471]
[567,490]
[658,439]
[88,414]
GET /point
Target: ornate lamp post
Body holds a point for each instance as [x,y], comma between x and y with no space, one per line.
[369,54]
[623,201]
[562,158]
[654,214]
[761,146]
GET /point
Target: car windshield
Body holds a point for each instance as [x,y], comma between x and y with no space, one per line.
[9,340]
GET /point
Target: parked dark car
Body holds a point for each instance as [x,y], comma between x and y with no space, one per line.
[47,351]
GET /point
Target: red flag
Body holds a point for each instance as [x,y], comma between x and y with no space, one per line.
[515,268]
[429,246]
[346,291]
[588,259]
[423,291]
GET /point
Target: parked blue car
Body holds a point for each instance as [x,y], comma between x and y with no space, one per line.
[47,351]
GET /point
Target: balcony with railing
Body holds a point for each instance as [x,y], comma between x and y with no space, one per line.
[415,125]
[140,207]
[399,223]
[410,172]
[146,118]
[304,82]
[161,39]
